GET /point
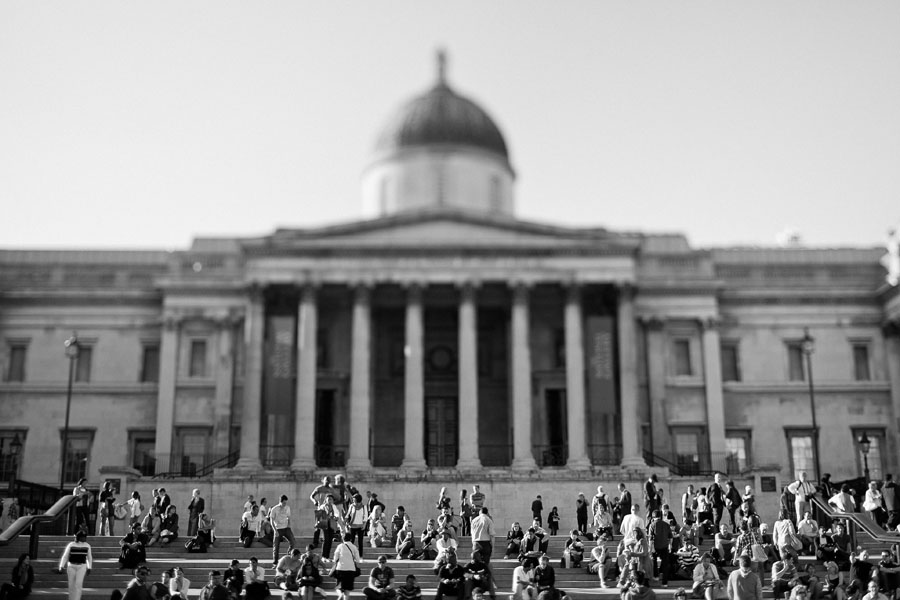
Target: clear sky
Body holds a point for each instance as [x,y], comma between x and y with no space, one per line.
[144,124]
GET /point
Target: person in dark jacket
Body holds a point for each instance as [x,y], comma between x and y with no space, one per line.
[22,580]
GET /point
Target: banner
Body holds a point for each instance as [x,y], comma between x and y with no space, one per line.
[601,365]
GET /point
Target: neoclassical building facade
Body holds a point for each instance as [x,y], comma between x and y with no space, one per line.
[441,334]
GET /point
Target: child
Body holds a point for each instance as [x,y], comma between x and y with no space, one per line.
[410,591]
[553,521]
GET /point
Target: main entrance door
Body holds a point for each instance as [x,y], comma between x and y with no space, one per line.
[441,435]
[556,453]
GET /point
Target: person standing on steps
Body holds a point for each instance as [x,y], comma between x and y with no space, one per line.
[76,561]
[195,509]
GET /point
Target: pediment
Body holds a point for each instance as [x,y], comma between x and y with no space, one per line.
[448,230]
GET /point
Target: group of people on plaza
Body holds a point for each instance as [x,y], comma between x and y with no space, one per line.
[654,547]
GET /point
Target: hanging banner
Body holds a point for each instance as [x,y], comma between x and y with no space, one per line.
[601,365]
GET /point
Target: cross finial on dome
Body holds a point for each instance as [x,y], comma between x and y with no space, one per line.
[442,66]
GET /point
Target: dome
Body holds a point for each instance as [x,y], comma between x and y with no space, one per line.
[441,116]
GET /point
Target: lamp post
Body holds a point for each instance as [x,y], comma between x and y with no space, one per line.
[808,349]
[864,445]
[71,346]
[15,448]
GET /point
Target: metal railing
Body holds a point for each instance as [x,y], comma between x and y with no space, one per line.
[605,454]
[697,465]
[54,514]
[551,455]
[857,522]
[276,456]
[331,456]
[168,466]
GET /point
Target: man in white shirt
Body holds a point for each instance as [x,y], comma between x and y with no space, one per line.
[255,586]
[280,516]
[808,532]
[802,490]
[250,521]
[483,535]
[632,522]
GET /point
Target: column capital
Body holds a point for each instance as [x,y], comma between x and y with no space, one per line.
[627,291]
[710,323]
[467,284]
[653,322]
[172,320]
[573,290]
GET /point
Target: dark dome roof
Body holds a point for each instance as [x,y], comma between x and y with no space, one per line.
[441,116]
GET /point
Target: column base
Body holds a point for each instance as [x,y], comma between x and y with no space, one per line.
[578,464]
[358,464]
[633,462]
[468,464]
[524,464]
[303,464]
[248,464]
[413,464]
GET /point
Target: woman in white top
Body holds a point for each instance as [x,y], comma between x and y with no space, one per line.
[782,532]
[377,529]
[179,585]
[346,566]
[135,508]
[357,519]
[77,561]
[873,504]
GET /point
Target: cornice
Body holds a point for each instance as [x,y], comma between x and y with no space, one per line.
[802,387]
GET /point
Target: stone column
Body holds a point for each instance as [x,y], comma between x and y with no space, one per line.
[224,385]
[305,413]
[715,404]
[165,405]
[575,392]
[892,343]
[523,456]
[360,384]
[468,379]
[414,384]
[254,324]
[632,455]
[656,384]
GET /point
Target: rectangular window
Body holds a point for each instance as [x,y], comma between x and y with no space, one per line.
[83,363]
[687,451]
[77,455]
[861,362]
[796,367]
[737,451]
[731,368]
[193,450]
[681,350]
[16,370]
[9,463]
[874,458]
[150,363]
[197,366]
[802,454]
[142,447]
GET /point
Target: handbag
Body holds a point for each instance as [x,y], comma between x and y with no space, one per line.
[795,542]
[757,552]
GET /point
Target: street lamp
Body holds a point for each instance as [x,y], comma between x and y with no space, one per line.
[809,347]
[865,444]
[71,346]
[15,448]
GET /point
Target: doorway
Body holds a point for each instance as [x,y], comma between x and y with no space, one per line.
[441,434]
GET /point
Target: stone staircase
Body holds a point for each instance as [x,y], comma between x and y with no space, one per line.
[106,575]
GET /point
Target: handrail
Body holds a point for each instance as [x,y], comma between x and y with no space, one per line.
[55,512]
[863,523]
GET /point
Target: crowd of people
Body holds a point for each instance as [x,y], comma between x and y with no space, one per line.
[655,546]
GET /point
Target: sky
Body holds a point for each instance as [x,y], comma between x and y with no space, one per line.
[128,124]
